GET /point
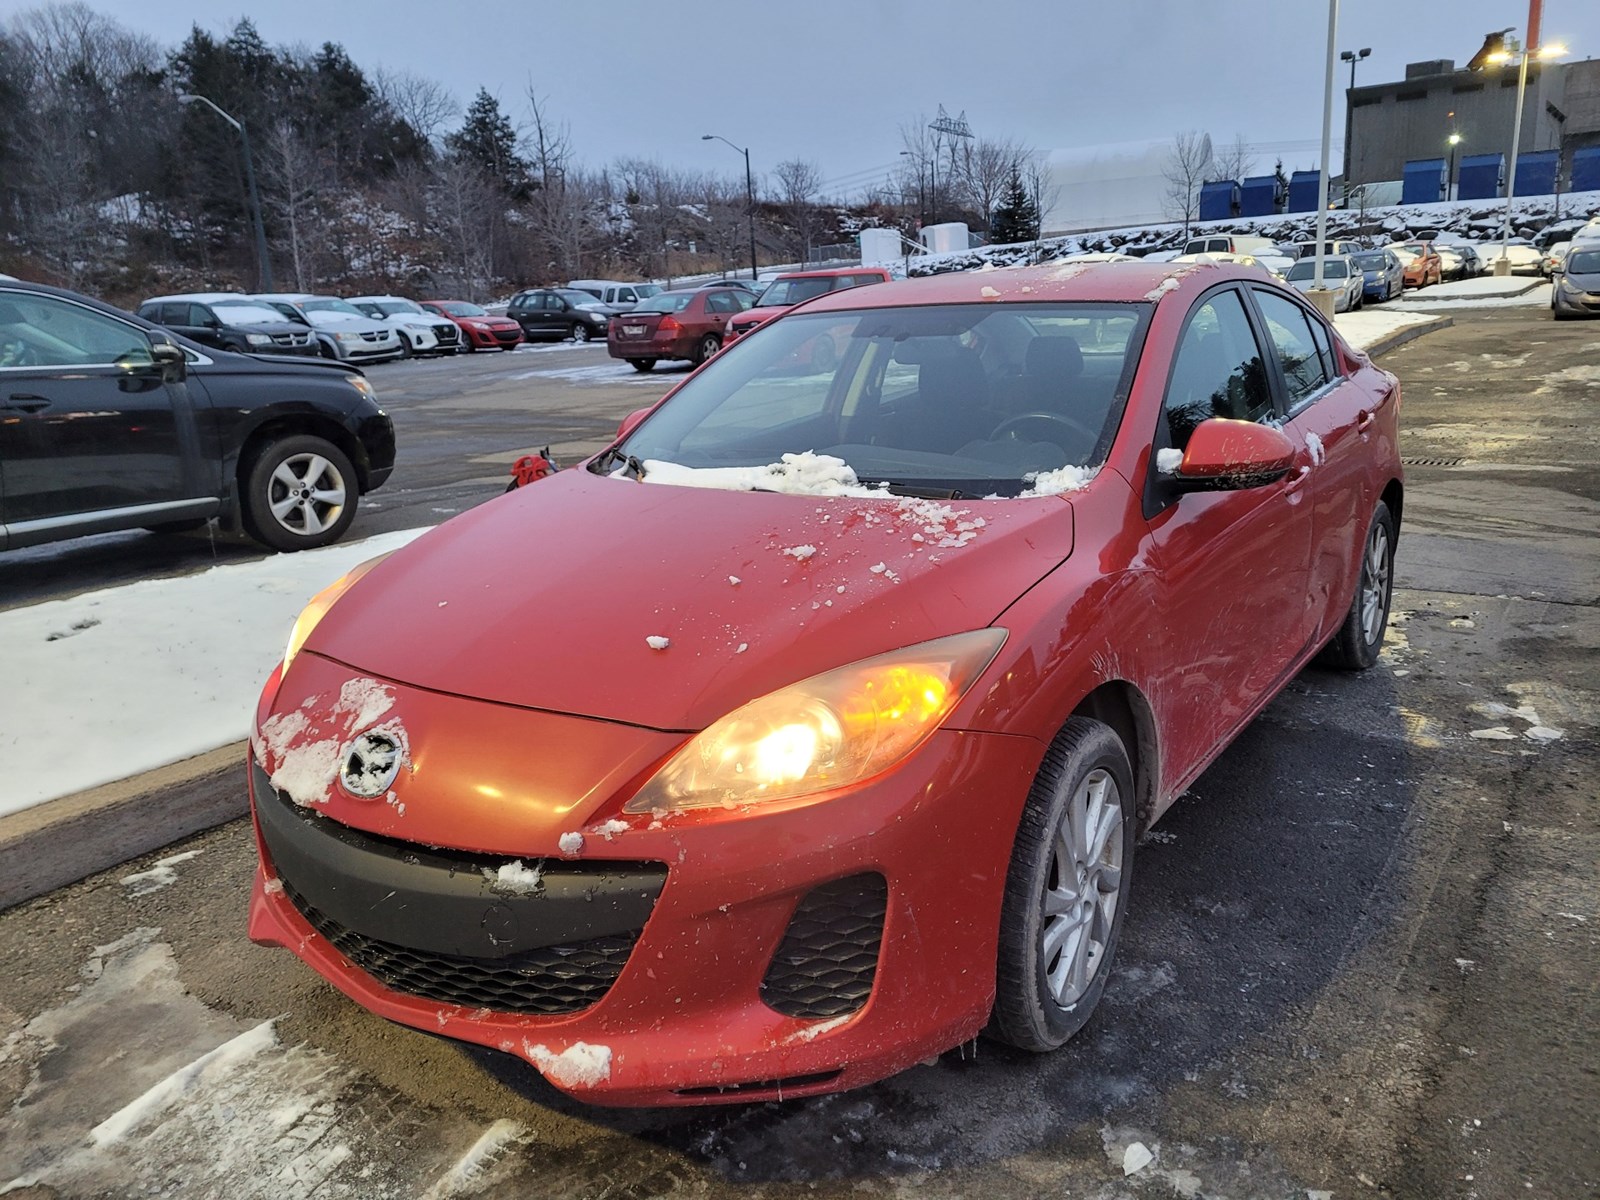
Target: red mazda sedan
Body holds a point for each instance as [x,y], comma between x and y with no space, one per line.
[818,736]
[479,327]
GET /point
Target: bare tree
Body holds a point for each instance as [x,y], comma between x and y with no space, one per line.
[292,179]
[1234,161]
[1041,185]
[421,103]
[983,168]
[463,200]
[1188,163]
[797,184]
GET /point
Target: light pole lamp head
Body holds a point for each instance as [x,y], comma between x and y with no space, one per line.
[1364,52]
[706,137]
[1454,139]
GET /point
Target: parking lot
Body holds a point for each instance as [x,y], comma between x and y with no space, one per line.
[1360,957]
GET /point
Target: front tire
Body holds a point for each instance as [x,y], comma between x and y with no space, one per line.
[1360,639]
[580,333]
[407,350]
[300,493]
[1066,889]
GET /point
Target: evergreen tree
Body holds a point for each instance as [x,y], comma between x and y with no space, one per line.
[487,140]
[1016,219]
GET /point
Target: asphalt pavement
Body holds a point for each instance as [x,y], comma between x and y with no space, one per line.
[1360,957]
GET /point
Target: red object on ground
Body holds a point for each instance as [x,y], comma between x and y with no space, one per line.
[531,467]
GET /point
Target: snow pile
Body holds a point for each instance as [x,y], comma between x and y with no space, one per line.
[514,878]
[467,1174]
[656,642]
[1315,449]
[1169,284]
[579,1065]
[1168,461]
[1370,326]
[1054,483]
[807,474]
[800,553]
[613,827]
[202,643]
[571,844]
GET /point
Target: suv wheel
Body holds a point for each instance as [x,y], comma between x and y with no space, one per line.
[300,493]
[580,332]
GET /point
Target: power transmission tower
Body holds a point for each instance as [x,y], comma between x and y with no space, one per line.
[946,126]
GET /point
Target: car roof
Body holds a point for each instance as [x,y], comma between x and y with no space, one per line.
[198,297]
[1113,283]
[821,273]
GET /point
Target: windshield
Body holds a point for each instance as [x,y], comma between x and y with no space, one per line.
[579,297]
[1583,262]
[1306,268]
[392,308]
[645,289]
[784,292]
[666,302]
[248,314]
[946,401]
[1371,262]
[332,305]
[460,308]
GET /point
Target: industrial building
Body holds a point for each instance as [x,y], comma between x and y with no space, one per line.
[1403,130]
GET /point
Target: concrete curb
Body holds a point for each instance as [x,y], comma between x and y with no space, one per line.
[1406,334]
[1422,298]
[62,841]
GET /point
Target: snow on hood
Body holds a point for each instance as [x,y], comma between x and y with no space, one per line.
[667,607]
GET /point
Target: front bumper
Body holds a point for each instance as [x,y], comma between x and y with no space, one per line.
[707,998]
[1569,301]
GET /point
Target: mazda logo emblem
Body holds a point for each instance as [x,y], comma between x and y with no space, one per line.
[370,765]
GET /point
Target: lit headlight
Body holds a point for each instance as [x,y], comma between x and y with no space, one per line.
[258,339]
[319,605]
[830,731]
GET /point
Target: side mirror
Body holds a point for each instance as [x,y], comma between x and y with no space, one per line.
[1227,455]
[170,360]
[631,421]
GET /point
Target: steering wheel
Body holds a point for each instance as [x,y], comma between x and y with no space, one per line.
[1011,425]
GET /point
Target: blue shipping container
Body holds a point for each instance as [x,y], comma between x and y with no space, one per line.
[1423,182]
[1481,176]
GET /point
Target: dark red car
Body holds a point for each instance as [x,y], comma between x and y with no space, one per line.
[793,287]
[681,324]
[479,327]
[818,734]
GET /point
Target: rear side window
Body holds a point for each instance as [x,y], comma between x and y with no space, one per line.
[199,314]
[1218,371]
[721,301]
[1290,332]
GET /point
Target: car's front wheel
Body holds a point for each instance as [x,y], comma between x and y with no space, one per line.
[1066,889]
[1357,644]
[406,348]
[300,493]
[580,332]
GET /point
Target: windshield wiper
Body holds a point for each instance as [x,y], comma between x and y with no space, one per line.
[632,467]
[919,491]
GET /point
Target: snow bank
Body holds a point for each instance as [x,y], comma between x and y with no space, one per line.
[1371,325]
[149,673]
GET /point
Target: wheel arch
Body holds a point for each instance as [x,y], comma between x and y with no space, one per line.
[289,424]
[1394,496]
[1121,706]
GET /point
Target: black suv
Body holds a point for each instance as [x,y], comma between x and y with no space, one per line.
[108,422]
[230,323]
[557,313]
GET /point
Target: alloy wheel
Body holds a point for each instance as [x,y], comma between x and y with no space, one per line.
[1081,893]
[306,494]
[1375,583]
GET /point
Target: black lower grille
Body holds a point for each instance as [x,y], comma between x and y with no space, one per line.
[548,981]
[829,955]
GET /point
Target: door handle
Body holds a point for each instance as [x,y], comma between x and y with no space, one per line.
[1300,475]
[26,402]
[1365,418]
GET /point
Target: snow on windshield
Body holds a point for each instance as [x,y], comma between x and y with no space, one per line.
[806,474]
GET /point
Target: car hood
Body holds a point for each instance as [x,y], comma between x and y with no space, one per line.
[545,598]
[279,327]
[762,314]
[348,324]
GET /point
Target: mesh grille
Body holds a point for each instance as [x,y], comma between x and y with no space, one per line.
[547,981]
[829,955]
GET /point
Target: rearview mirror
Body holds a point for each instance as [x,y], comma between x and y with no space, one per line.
[1227,455]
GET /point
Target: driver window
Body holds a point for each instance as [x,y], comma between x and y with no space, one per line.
[1218,371]
[1303,368]
[45,332]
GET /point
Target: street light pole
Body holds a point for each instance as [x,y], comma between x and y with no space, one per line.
[1327,137]
[263,263]
[1502,265]
[1450,178]
[1352,57]
[749,194]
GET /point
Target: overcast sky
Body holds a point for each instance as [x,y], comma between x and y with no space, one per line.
[833,80]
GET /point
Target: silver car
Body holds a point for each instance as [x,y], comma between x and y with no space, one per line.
[1339,273]
[343,331]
